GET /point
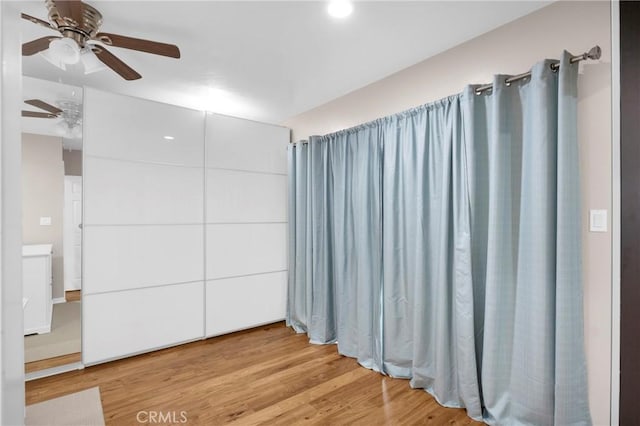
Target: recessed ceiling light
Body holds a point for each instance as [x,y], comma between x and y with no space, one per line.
[169,138]
[340,8]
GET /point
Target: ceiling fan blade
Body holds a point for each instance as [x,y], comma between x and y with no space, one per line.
[37,21]
[71,9]
[35,114]
[35,46]
[43,105]
[141,45]
[115,64]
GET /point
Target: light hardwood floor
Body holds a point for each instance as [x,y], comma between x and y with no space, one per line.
[268,375]
[72,296]
[58,361]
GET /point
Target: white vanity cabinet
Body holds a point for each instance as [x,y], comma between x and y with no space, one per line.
[36,288]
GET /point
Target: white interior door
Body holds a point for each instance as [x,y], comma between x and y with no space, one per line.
[72,238]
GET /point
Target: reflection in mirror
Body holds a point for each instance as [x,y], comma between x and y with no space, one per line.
[51,223]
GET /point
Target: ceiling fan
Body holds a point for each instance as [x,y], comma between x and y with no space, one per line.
[52,112]
[69,113]
[79,26]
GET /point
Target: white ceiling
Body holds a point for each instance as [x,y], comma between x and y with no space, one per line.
[267,60]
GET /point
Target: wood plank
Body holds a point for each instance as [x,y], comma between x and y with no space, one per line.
[43,364]
[276,411]
[73,296]
[268,375]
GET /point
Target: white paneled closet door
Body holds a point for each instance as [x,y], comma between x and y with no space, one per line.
[143,226]
[72,233]
[246,223]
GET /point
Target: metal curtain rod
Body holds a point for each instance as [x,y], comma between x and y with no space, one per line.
[593,53]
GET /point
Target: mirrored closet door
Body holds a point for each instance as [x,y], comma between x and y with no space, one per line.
[51,224]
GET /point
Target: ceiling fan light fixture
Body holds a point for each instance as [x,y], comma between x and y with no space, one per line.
[65,50]
[76,132]
[90,61]
[68,129]
[62,128]
[46,54]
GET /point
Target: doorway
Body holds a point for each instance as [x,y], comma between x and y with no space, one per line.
[72,233]
[630,205]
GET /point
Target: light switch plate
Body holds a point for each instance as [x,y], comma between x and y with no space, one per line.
[45,221]
[598,220]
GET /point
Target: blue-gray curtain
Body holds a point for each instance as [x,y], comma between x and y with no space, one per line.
[442,244]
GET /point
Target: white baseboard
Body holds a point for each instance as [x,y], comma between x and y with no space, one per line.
[37,330]
[59,300]
[34,375]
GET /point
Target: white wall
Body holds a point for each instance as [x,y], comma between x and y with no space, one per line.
[512,49]
[43,196]
[11,335]
[72,162]
[183,238]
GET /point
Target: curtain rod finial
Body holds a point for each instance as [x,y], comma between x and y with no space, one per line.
[594,53]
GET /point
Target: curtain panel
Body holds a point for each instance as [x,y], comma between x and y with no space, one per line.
[442,244]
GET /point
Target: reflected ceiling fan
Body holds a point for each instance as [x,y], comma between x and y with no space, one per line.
[80,39]
[52,112]
[68,111]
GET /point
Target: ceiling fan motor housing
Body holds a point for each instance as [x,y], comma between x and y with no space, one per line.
[82,31]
